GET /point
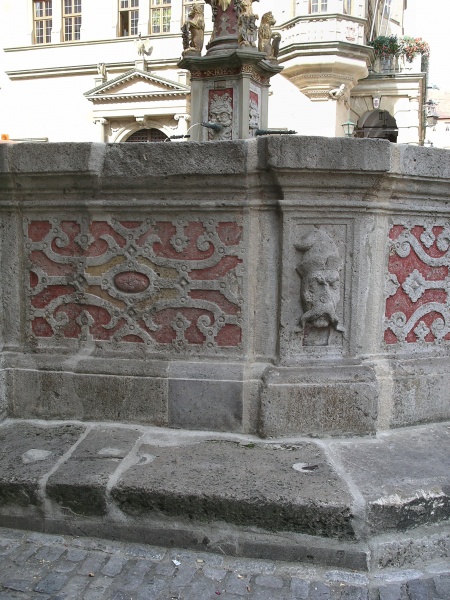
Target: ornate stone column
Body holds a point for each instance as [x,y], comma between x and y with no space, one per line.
[230,84]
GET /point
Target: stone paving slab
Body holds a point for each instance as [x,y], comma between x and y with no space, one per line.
[276,487]
[80,483]
[34,566]
[403,476]
[362,503]
[28,451]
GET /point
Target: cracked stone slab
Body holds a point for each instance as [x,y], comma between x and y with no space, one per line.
[277,487]
[403,476]
[27,453]
[80,483]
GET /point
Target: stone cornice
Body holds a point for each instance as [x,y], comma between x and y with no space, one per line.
[119,40]
[347,49]
[320,17]
[84,69]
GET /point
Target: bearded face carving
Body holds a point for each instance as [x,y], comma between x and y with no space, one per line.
[320,287]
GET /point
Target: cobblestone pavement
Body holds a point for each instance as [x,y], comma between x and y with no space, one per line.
[35,566]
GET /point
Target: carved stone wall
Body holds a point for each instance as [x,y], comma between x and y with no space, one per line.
[281,285]
[160,283]
[418,283]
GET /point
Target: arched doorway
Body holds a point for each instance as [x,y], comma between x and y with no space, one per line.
[377,124]
[148,135]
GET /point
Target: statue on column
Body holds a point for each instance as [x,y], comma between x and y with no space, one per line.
[268,42]
[193,31]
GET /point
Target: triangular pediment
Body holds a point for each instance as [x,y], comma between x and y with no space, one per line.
[136,84]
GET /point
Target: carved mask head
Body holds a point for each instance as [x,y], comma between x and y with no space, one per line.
[220,110]
[320,294]
[320,286]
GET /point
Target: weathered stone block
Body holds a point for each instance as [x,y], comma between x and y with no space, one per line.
[28,452]
[90,397]
[79,485]
[268,486]
[318,409]
[205,404]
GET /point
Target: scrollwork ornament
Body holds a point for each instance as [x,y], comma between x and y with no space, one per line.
[421,331]
[427,237]
[391,285]
[402,245]
[443,240]
[116,281]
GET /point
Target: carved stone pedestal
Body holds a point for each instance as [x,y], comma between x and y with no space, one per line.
[230,85]
[230,91]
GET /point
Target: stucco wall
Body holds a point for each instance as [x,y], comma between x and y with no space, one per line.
[165,284]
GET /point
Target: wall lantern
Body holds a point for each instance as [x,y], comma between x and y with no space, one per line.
[349,128]
[432,116]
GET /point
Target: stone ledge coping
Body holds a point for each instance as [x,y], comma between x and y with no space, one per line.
[358,503]
[223,158]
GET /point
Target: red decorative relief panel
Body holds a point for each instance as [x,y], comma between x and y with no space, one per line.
[155,282]
[418,284]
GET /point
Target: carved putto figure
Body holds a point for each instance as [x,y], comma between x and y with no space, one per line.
[268,42]
[193,31]
[221,112]
[320,287]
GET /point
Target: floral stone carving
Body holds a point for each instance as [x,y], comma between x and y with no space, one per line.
[418,284]
[155,283]
[320,286]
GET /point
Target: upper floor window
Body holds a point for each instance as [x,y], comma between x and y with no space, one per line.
[42,21]
[72,20]
[319,6]
[387,8]
[347,7]
[160,14]
[128,17]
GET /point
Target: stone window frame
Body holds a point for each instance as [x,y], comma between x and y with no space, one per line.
[42,21]
[160,16]
[318,6]
[71,20]
[128,24]
[348,7]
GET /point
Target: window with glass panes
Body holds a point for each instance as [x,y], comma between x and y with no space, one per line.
[128,17]
[160,13]
[71,20]
[42,19]
[187,5]
[319,6]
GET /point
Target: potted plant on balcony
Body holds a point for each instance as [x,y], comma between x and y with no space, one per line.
[411,47]
[386,49]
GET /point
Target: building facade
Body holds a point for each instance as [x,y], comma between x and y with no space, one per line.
[77,70]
